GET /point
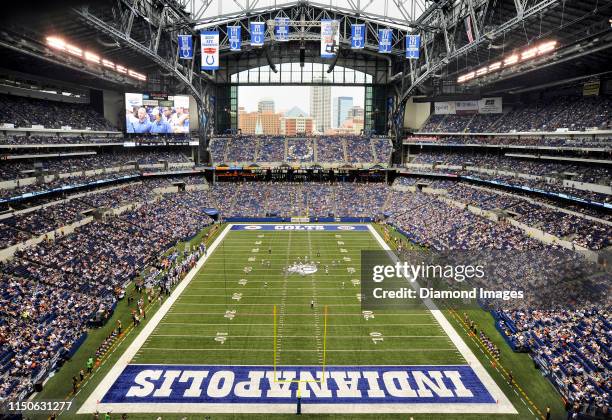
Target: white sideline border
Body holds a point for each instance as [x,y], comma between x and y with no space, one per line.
[92,403]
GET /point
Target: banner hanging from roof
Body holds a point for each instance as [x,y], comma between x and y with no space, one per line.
[185,44]
[281,29]
[358,36]
[234,37]
[385,40]
[330,38]
[413,44]
[258,32]
[209,41]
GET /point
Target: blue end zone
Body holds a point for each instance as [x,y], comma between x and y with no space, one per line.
[255,384]
[294,227]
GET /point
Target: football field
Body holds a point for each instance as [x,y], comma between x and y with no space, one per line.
[225,315]
[273,313]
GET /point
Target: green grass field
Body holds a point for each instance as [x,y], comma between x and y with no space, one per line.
[225,316]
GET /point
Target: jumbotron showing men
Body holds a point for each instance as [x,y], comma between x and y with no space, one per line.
[156,116]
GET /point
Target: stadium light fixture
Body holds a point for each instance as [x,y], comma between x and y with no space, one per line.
[469,76]
[108,64]
[495,66]
[94,58]
[547,47]
[511,60]
[74,50]
[482,71]
[56,43]
[137,75]
[529,54]
[59,44]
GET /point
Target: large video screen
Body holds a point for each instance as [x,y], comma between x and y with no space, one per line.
[156,114]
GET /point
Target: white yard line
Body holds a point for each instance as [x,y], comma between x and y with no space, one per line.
[92,404]
[504,405]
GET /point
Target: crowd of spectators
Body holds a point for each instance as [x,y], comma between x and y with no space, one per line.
[47,218]
[313,199]
[329,149]
[57,139]
[324,149]
[358,150]
[582,172]
[72,180]
[10,236]
[116,197]
[270,149]
[22,168]
[240,149]
[481,122]
[259,199]
[535,179]
[51,290]
[447,123]
[587,233]
[574,113]
[573,346]
[40,321]
[602,142]
[218,148]
[21,226]
[25,112]
[547,186]
[433,223]
[383,148]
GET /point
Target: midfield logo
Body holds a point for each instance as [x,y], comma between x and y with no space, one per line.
[294,227]
[303,269]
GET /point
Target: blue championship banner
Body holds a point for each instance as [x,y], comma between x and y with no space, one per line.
[216,384]
[210,50]
[185,47]
[234,35]
[385,40]
[413,44]
[361,228]
[281,29]
[358,36]
[258,34]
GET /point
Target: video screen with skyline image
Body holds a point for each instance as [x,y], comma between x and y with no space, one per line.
[156,114]
[301,110]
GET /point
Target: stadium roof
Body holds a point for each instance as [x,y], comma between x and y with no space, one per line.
[395,13]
